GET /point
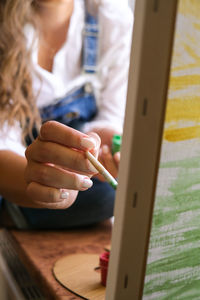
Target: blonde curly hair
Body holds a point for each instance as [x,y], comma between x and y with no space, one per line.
[17,101]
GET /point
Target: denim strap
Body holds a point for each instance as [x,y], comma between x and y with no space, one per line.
[90,42]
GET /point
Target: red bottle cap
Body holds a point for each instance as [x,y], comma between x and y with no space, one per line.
[104,260]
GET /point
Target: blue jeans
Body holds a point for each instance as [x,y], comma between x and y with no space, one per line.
[91,206]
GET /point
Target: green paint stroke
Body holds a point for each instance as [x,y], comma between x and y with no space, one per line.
[173,270]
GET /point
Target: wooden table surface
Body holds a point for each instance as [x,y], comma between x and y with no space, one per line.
[39,250]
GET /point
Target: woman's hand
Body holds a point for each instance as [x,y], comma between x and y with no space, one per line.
[57,167]
[109,161]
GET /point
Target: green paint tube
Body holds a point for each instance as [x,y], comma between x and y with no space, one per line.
[116,143]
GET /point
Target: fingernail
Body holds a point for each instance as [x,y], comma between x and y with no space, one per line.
[105,149]
[64,194]
[87,183]
[117,156]
[88,143]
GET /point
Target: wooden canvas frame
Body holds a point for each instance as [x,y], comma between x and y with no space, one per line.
[146,101]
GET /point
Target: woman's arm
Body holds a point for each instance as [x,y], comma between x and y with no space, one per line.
[54,170]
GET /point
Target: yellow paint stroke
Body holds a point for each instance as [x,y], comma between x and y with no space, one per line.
[191,52]
[189,7]
[181,134]
[187,109]
[196,26]
[182,82]
[178,111]
[183,113]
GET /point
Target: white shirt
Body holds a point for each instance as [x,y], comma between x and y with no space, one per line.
[110,81]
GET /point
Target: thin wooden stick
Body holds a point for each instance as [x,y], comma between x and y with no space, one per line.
[99,167]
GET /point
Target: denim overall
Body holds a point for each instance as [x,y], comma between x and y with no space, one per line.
[79,105]
[76,108]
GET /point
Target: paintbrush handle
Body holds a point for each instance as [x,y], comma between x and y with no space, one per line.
[100,168]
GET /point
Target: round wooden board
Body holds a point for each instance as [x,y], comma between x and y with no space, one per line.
[77,273]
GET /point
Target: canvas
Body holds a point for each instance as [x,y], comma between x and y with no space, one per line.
[173,269]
